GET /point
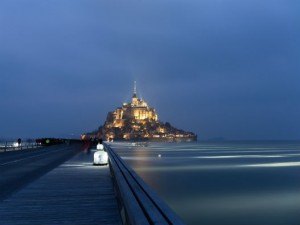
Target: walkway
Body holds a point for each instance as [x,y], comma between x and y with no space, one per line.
[74,193]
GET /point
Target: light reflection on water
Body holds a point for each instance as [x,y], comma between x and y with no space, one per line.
[223,183]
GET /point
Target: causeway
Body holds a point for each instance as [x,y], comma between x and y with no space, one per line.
[76,192]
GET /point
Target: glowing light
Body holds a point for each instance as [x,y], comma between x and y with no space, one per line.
[100,157]
[99,146]
[16,144]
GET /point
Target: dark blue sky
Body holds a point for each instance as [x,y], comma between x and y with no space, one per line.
[218,68]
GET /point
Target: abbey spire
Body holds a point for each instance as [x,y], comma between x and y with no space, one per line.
[135,101]
[134,90]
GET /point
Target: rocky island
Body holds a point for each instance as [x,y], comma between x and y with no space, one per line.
[136,121]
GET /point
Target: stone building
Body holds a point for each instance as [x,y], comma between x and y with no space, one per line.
[136,120]
[137,110]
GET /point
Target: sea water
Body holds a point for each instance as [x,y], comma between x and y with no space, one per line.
[222,183]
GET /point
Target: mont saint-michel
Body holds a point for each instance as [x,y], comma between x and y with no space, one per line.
[137,121]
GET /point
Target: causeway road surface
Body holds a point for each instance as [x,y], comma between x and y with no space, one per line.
[51,187]
[19,168]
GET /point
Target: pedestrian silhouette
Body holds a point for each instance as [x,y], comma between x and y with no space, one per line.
[19,141]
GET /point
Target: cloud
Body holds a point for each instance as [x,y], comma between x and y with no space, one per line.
[213,67]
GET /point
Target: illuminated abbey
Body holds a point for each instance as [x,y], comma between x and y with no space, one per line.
[137,121]
[137,110]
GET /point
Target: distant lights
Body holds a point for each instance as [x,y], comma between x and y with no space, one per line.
[16,144]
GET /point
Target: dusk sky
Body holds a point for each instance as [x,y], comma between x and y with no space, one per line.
[218,68]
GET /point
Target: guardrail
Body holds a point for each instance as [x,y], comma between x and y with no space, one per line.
[138,203]
[12,146]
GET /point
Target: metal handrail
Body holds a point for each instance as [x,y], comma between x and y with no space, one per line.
[10,146]
[138,202]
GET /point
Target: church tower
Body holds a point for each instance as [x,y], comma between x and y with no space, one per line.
[134,89]
[134,97]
